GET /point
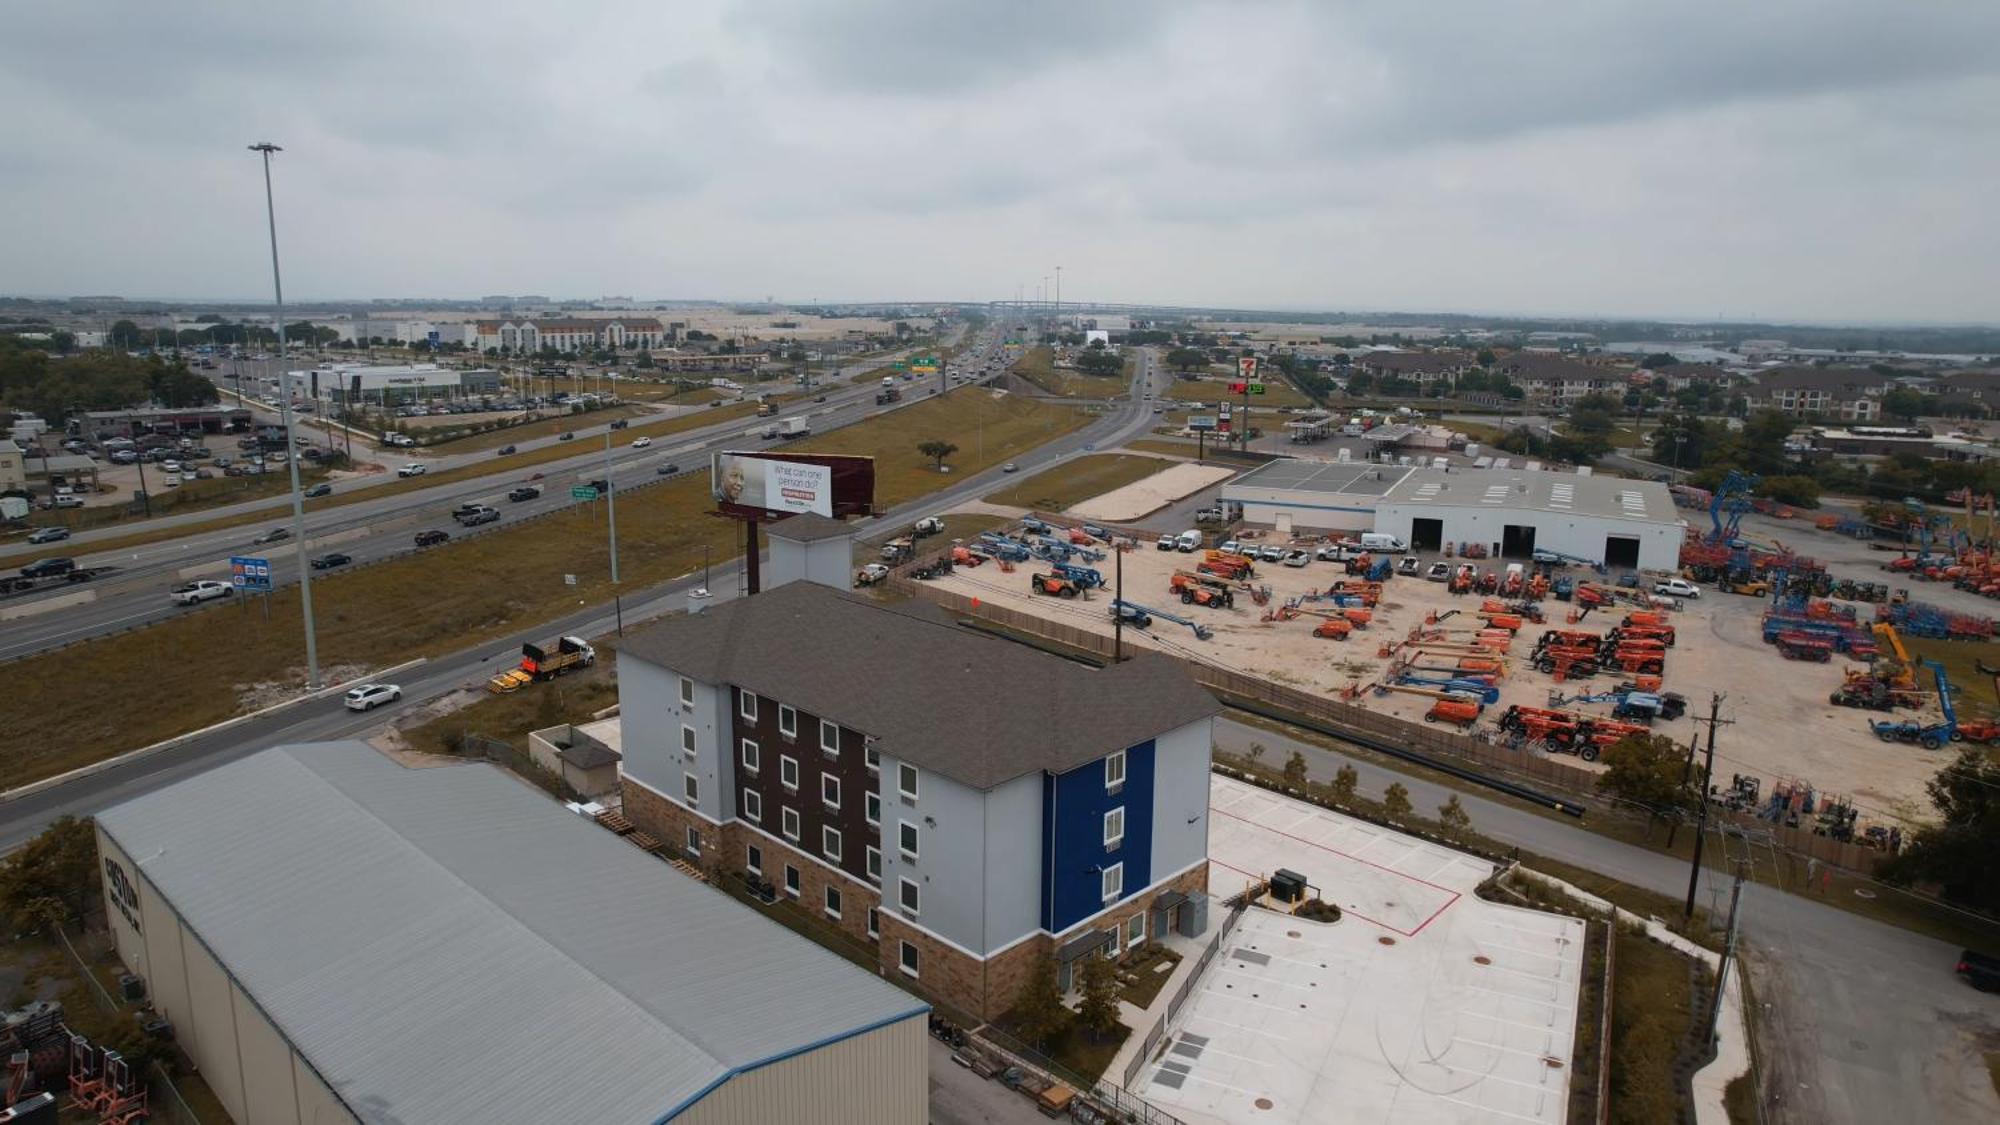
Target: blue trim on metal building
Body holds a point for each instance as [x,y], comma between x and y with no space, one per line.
[1073,852]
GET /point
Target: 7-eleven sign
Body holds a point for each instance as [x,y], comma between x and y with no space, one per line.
[1246,369]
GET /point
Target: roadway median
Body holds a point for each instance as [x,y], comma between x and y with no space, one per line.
[102,697]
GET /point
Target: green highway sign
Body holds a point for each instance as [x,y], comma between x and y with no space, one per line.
[900,365]
[582,492]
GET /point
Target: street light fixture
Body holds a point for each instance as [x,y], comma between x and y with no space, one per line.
[266,148]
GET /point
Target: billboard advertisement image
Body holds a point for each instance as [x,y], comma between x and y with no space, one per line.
[774,486]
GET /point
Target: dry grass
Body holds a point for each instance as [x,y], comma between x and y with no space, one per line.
[193,496]
[507,467]
[193,670]
[571,699]
[1054,490]
[1650,1015]
[1037,367]
[1277,393]
[548,425]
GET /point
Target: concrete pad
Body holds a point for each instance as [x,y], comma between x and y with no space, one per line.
[22,610]
[1423,1003]
[1142,497]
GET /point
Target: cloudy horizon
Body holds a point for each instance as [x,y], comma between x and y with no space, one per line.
[1814,163]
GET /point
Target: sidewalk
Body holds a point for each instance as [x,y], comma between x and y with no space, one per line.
[1141,1021]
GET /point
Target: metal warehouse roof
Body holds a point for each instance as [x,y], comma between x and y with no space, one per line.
[1353,478]
[1562,493]
[448,945]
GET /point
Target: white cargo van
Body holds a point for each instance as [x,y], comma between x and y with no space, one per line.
[1376,541]
[1189,542]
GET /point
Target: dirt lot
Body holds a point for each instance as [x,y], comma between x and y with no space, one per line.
[1782,725]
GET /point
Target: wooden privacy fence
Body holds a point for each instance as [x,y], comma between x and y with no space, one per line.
[1572,781]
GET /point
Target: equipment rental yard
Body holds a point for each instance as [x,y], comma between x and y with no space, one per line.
[1781,727]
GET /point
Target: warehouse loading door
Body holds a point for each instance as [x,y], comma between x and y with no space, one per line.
[1621,550]
[1517,542]
[1427,535]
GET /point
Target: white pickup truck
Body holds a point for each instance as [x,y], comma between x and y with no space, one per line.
[195,593]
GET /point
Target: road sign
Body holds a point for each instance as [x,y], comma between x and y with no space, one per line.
[251,574]
[1201,421]
[1246,368]
[434,339]
[1246,388]
[582,492]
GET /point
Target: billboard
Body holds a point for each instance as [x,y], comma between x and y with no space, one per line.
[246,573]
[748,485]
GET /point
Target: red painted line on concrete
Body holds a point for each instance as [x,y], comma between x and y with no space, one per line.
[1335,851]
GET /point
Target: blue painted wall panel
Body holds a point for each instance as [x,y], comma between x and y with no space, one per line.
[1073,851]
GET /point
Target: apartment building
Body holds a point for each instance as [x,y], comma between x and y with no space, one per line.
[1422,368]
[570,334]
[1559,380]
[961,802]
[1851,394]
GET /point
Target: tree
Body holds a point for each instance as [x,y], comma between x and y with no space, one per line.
[1295,770]
[1396,801]
[58,867]
[1453,817]
[1187,359]
[1360,383]
[1904,403]
[1647,770]
[1798,491]
[1957,854]
[1039,1011]
[1486,357]
[1099,361]
[1256,752]
[937,451]
[124,334]
[1345,780]
[644,360]
[1658,360]
[1098,1011]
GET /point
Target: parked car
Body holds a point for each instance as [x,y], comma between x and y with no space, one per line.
[1409,565]
[1438,572]
[195,593]
[275,535]
[330,560]
[1296,558]
[1168,542]
[1979,970]
[525,492]
[642,443]
[48,534]
[1337,552]
[1271,553]
[1677,588]
[320,489]
[432,537]
[413,469]
[370,696]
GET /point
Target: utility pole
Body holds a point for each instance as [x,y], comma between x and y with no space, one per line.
[611,514]
[1701,821]
[1728,954]
[291,444]
[1118,608]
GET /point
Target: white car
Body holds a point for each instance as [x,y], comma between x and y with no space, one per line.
[642,443]
[1677,588]
[367,697]
[413,469]
[1297,558]
[194,593]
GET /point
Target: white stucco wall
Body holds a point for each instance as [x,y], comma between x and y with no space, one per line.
[1180,797]
[1580,535]
[650,718]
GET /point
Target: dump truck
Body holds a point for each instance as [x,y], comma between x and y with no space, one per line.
[767,409]
[537,663]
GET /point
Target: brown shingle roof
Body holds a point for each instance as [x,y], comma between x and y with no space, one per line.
[1419,362]
[1539,367]
[1841,382]
[975,708]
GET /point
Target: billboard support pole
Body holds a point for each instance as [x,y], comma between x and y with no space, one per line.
[750,556]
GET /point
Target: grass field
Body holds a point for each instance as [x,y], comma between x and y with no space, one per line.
[1650,1013]
[547,426]
[1054,490]
[1277,393]
[571,699]
[194,496]
[411,484]
[1036,366]
[202,667]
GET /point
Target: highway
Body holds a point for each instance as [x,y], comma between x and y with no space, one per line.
[318,720]
[374,529]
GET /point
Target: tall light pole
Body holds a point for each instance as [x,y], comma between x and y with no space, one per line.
[1058,298]
[266,148]
[611,519]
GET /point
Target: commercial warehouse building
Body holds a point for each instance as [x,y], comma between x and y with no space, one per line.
[1513,512]
[337,937]
[412,382]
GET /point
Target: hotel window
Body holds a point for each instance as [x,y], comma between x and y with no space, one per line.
[687,692]
[909,957]
[687,741]
[753,806]
[789,819]
[909,895]
[906,780]
[829,738]
[692,789]
[873,758]
[1114,882]
[906,838]
[829,790]
[875,863]
[746,705]
[829,842]
[694,840]
[873,806]
[788,772]
[1114,772]
[791,880]
[753,859]
[1114,828]
[833,902]
[751,756]
[788,721]
[1135,930]
[874,922]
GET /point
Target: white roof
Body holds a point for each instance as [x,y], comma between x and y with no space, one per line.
[1537,489]
[448,945]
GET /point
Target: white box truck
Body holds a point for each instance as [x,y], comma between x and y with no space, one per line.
[793,427]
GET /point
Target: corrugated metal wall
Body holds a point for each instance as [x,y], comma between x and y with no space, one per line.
[880,1078]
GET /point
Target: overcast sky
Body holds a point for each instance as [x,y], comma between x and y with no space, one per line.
[1837,159]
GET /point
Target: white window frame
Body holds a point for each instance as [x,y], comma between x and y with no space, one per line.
[830,901]
[825,780]
[753,806]
[907,889]
[687,692]
[788,772]
[687,740]
[832,751]
[830,842]
[910,851]
[874,922]
[1114,818]
[1133,940]
[1111,882]
[693,840]
[788,821]
[871,808]
[746,704]
[874,867]
[791,880]
[907,772]
[1114,763]
[788,721]
[906,955]
[753,756]
[691,790]
[873,759]
[753,859]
